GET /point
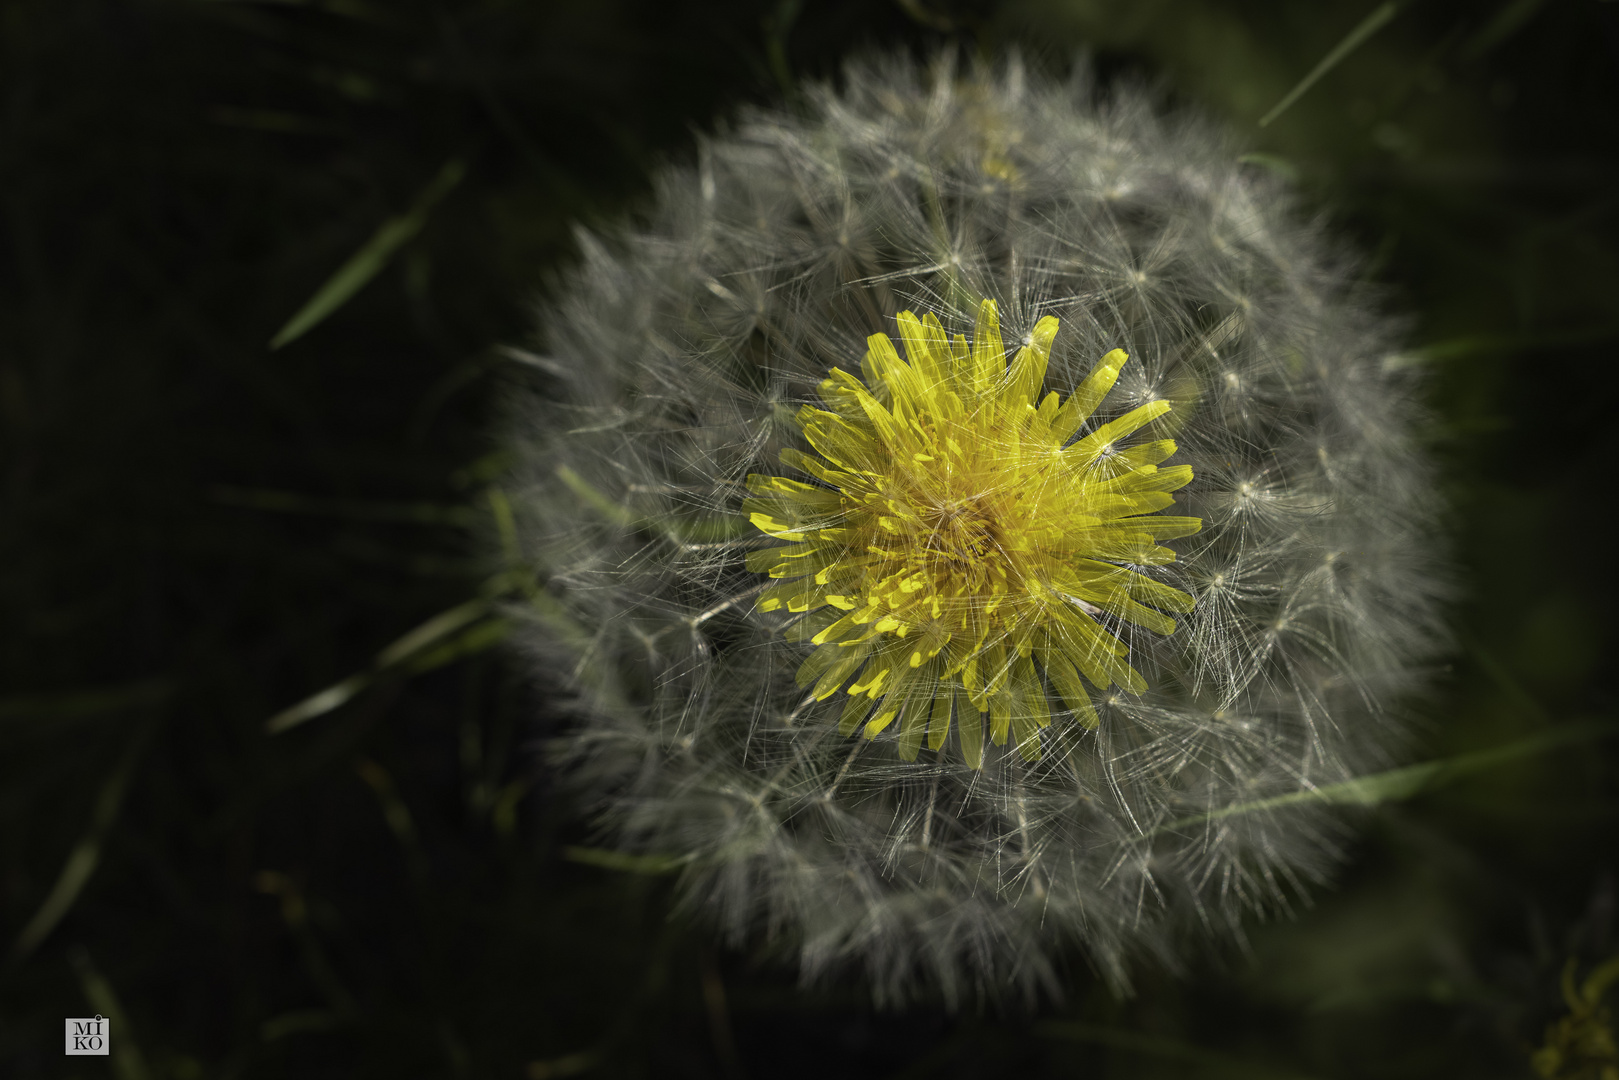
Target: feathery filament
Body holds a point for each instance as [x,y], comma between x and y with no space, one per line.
[1138,609]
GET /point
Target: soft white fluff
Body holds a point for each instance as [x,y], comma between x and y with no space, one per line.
[682,344]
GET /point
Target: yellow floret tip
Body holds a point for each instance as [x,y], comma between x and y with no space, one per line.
[956,505]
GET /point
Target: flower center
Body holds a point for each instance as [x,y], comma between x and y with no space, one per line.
[958,533]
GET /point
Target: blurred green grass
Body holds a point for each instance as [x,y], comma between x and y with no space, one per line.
[199,532]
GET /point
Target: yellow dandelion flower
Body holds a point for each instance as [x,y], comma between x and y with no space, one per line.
[960,541]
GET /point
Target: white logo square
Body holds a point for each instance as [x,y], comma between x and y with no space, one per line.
[89,1037]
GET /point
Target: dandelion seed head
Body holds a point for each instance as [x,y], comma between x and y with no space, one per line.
[968,506]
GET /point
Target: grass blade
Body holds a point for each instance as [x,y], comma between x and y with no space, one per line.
[373,255]
[291,502]
[1356,37]
[128,1063]
[624,861]
[432,631]
[1153,1045]
[79,704]
[1408,780]
[86,854]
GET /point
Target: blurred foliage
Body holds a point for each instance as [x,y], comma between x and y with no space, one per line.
[198,533]
[1582,1043]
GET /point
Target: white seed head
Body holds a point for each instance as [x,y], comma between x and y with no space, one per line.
[683,348]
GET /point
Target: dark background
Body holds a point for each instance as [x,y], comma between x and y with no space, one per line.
[197,532]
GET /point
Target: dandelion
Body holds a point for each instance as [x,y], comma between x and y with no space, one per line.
[973,509]
[961,513]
